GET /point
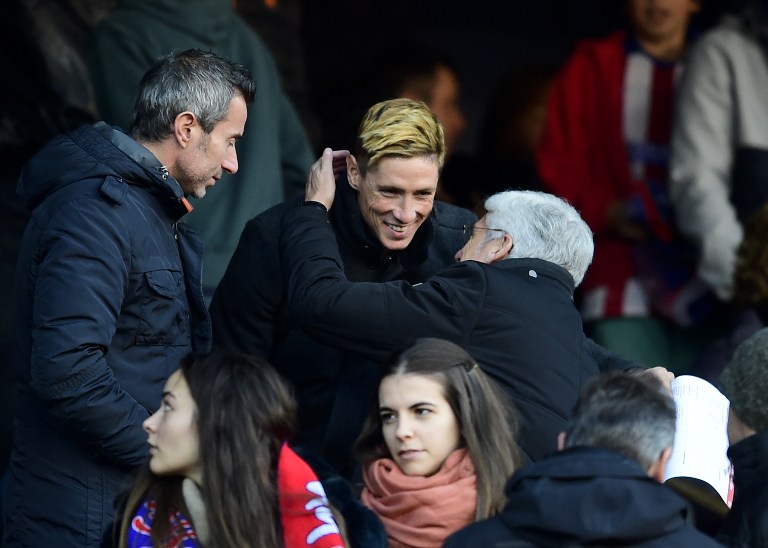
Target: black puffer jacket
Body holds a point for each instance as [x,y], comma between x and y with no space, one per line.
[248,311]
[107,299]
[585,497]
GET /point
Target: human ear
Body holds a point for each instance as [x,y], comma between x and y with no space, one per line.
[659,468]
[504,247]
[353,172]
[183,126]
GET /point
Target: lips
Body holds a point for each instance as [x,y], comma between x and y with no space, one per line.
[406,454]
[400,229]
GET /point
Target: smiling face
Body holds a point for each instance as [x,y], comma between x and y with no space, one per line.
[417,423]
[207,156]
[659,20]
[396,196]
[172,433]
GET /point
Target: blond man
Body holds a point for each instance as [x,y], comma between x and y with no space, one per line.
[389,227]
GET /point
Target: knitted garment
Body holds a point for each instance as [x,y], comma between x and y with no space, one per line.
[419,511]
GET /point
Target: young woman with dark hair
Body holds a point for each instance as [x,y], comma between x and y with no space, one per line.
[438,447]
[220,471]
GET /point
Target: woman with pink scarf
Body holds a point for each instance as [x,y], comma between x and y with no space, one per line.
[438,446]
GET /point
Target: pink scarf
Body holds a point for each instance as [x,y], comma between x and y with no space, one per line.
[419,511]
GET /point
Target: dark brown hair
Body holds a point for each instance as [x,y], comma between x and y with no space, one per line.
[245,412]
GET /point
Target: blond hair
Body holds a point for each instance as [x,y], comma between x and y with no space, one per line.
[402,128]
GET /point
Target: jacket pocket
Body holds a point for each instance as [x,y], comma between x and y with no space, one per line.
[164,317]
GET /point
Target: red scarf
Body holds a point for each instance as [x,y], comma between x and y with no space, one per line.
[305,515]
[419,511]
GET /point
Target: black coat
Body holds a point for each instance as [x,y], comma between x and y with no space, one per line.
[747,522]
[515,317]
[249,314]
[585,496]
[107,300]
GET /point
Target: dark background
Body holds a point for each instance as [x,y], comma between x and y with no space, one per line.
[485,39]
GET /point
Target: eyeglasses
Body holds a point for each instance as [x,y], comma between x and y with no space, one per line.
[469,231]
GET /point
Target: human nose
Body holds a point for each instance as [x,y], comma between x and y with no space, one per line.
[229,163]
[459,254]
[405,212]
[150,423]
[403,430]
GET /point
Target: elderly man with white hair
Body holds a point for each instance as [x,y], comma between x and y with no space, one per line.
[508,301]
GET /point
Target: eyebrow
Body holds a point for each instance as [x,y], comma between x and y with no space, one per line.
[412,406]
[168,394]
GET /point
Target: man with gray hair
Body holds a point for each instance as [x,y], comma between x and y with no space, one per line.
[108,293]
[604,486]
[508,302]
[745,382]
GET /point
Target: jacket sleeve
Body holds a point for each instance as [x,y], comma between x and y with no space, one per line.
[700,164]
[370,318]
[245,310]
[607,360]
[79,285]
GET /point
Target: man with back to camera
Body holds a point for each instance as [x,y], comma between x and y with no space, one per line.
[108,293]
[603,488]
[509,302]
[389,228]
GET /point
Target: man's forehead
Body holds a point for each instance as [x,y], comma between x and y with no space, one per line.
[419,173]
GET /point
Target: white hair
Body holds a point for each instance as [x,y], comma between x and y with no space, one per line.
[542,226]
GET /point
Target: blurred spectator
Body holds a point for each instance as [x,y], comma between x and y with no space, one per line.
[274,157]
[436,441]
[605,149]
[604,486]
[279,24]
[512,128]
[719,163]
[745,383]
[749,312]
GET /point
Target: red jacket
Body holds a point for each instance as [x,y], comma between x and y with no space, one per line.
[583,158]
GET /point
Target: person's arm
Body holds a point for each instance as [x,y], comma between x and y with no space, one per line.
[608,361]
[700,164]
[370,318]
[80,281]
